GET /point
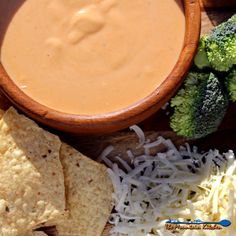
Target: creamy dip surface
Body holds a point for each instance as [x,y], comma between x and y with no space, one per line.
[90,56]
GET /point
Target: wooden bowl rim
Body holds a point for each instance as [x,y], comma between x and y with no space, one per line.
[127,116]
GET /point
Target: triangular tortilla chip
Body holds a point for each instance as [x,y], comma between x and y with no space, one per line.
[31,175]
[88,195]
[35,233]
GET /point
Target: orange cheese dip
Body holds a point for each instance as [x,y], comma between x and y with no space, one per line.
[90,56]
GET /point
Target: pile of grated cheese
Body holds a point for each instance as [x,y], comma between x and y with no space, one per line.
[175,184]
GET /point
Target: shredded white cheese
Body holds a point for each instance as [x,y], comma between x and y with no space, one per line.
[139,133]
[176,184]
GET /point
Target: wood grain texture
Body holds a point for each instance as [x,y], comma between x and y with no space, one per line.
[121,141]
[209,4]
[214,17]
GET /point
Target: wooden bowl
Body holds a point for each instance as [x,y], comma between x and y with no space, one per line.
[123,118]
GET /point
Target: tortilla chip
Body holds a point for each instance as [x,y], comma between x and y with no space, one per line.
[31,175]
[88,194]
[35,233]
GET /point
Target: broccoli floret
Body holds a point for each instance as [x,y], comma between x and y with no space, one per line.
[231,85]
[219,47]
[200,106]
[201,60]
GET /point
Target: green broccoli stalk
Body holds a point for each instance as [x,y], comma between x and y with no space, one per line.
[199,107]
[231,85]
[219,47]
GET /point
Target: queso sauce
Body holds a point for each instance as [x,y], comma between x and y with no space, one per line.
[90,56]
